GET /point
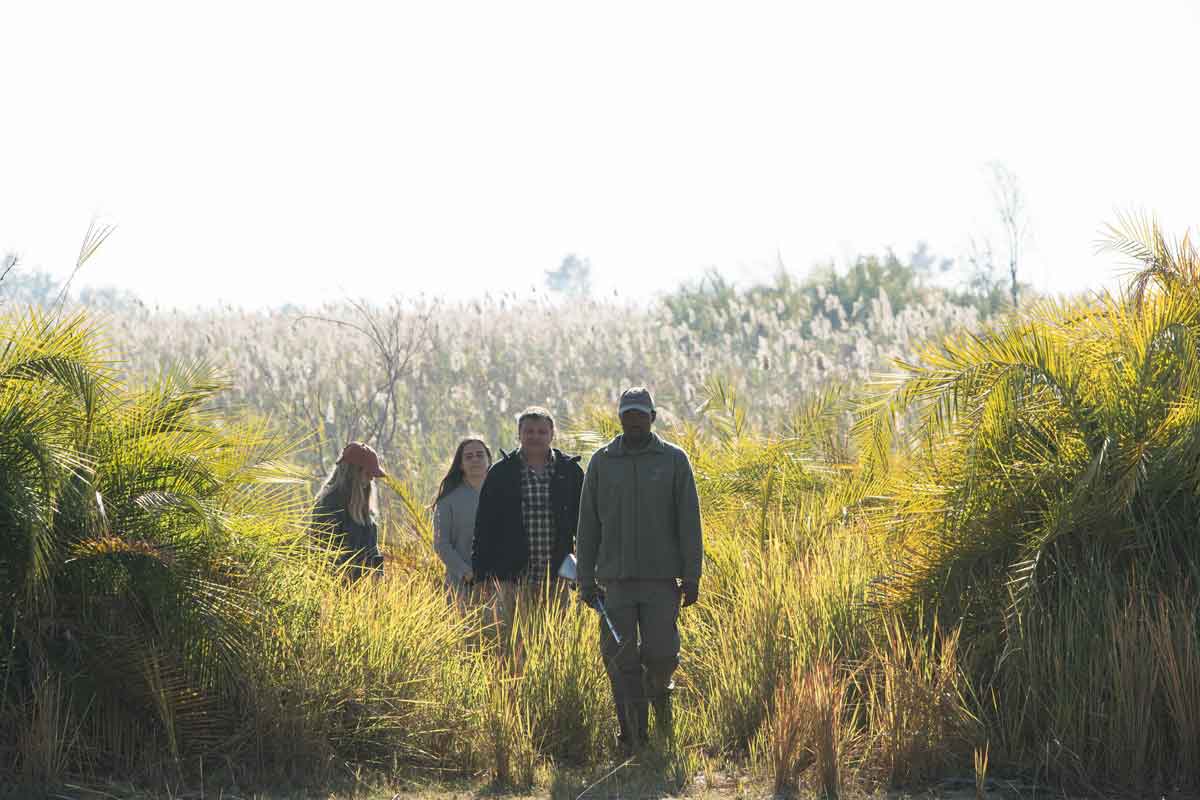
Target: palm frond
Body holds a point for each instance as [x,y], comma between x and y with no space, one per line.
[1160,264]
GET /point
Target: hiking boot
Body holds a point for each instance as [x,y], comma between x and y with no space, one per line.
[664,723]
[642,708]
[633,734]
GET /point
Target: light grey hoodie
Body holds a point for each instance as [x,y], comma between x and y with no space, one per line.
[454,529]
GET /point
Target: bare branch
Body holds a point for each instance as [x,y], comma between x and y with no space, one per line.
[396,338]
[10,261]
[1010,206]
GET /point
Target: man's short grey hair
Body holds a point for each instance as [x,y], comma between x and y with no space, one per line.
[535,412]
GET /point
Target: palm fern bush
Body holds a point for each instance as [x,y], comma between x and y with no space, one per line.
[787,565]
[1003,557]
[1046,493]
[135,529]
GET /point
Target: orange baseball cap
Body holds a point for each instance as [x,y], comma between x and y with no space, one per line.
[361,455]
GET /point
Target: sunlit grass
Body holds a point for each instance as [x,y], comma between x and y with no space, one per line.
[997,575]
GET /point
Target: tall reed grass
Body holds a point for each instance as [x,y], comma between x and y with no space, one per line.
[1002,560]
[415,375]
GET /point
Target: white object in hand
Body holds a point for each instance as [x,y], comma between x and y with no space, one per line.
[568,570]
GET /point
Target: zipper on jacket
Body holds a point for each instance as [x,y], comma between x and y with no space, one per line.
[637,523]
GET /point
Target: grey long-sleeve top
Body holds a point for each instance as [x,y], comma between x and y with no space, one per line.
[454,529]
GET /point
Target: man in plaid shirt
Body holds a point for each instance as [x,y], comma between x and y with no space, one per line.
[537,513]
[528,512]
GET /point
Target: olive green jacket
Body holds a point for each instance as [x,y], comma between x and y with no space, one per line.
[639,516]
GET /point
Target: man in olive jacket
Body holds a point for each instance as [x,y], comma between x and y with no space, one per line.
[640,551]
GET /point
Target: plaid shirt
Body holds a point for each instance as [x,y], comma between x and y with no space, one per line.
[538,517]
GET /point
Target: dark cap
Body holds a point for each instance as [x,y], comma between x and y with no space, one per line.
[361,455]
[636,398]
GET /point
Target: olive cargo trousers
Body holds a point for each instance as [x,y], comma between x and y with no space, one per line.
[645,614]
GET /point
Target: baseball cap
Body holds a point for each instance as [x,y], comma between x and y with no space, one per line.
[636,398]
[362,455]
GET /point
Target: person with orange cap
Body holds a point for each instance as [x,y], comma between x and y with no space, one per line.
[347,508]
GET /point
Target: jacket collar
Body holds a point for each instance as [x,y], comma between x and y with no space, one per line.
[551,459]
[617,446]
[558,456]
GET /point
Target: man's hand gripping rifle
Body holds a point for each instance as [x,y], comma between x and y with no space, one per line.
[589,595]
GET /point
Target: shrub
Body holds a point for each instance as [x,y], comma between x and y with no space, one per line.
[1046,485]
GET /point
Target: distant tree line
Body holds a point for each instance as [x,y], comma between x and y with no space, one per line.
[842,297]
[35,287]
[839,298]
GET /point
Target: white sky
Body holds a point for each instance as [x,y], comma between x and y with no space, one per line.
[261,153]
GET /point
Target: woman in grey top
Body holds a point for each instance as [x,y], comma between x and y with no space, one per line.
[454,513]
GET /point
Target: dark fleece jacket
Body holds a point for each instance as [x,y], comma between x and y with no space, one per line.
[501,546]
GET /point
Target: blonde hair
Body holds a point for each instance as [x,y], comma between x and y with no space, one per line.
[346,482]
